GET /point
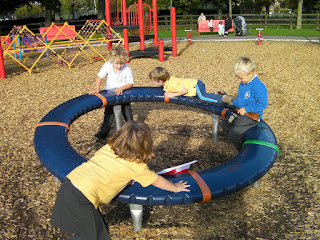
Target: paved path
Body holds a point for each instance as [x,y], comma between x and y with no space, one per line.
[249,38]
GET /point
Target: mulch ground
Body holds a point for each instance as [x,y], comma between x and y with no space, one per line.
[286,206]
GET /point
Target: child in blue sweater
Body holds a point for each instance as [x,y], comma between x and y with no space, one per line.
[252,97]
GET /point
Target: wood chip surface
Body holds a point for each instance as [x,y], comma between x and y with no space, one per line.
[286,206]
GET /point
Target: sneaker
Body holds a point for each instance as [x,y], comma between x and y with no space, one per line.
[221,92]
[100,135]
[228,98]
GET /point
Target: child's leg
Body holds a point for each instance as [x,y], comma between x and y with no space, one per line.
[237,128]
[74,213]
[127,112]
[203,95]
[107,122]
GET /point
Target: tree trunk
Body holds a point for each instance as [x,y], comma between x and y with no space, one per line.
[48,19]
[230,8]
[101,9]
[220,6]
[299,15]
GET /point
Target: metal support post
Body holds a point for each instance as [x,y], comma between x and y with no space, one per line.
[136,211]
[256,184]
[215,127]
[117,115]
[56,180]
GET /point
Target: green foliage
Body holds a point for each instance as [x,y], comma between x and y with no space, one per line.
[49,4]
[8,6]
[317,6]
[26,11]
[309,6]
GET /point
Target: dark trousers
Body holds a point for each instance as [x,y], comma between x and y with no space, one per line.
[236,129]
[109,116]
[74,213]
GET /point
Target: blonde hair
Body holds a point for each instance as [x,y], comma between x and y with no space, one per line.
[159,74]
[119,53]
[244,64]
[133,142]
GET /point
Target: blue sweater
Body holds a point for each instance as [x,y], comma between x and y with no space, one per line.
[253,96]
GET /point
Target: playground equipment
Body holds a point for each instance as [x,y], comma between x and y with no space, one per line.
[2,70]
[189,35]
[46,43]
[259,38]
[139,20]
[254,160]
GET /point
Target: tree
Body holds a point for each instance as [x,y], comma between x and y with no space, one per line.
[101,9]
[28,11]
[10,5]
[49,6]
[299,15]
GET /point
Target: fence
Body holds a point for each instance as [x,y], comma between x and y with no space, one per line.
[288,21]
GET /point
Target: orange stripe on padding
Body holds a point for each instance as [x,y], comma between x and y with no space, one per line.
[166,100]
[53,123]
[206,193]
[223,112]
[103,99]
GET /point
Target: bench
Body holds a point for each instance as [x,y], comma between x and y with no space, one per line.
[203,26]
[68,32]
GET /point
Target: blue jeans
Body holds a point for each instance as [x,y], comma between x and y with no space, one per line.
[203,95]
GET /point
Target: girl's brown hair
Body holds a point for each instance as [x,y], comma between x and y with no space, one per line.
[159,74]
[133,142]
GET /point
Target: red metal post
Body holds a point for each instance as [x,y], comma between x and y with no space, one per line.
[108,21]
[161,51]
[125,22]
[141,24]
[2,69]
[189,39]
[155,22]
[174,32]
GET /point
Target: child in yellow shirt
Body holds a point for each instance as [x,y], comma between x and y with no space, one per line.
[175,87]
[100,179]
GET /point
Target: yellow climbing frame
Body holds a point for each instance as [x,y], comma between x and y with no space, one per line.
[90,37]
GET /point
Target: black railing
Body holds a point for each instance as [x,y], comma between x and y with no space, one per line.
[288,21]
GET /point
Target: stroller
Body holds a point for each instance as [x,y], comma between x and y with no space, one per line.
[241,26]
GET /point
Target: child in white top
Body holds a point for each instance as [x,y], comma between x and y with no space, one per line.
[221,29]
[119,78]
[211,25]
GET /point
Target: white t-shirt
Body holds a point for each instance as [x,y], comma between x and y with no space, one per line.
[115,80]
[210,24]
[221,29]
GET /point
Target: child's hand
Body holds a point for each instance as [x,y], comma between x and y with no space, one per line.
[93,92]
[182,186]
[242,111]
[131,182]
[168,95]
[118,91]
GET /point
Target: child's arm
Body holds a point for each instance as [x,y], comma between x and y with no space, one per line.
[176,94]
[98,83]
[119,90]
[164,184]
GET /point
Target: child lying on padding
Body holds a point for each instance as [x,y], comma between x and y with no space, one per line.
[175,87]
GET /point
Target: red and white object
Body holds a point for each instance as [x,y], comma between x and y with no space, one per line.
[183,168]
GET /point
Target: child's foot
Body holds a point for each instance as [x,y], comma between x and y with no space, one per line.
[100,135]
[228,98]
[221,92]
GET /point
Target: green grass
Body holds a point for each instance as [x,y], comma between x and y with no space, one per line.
[288,32]
[270,31]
